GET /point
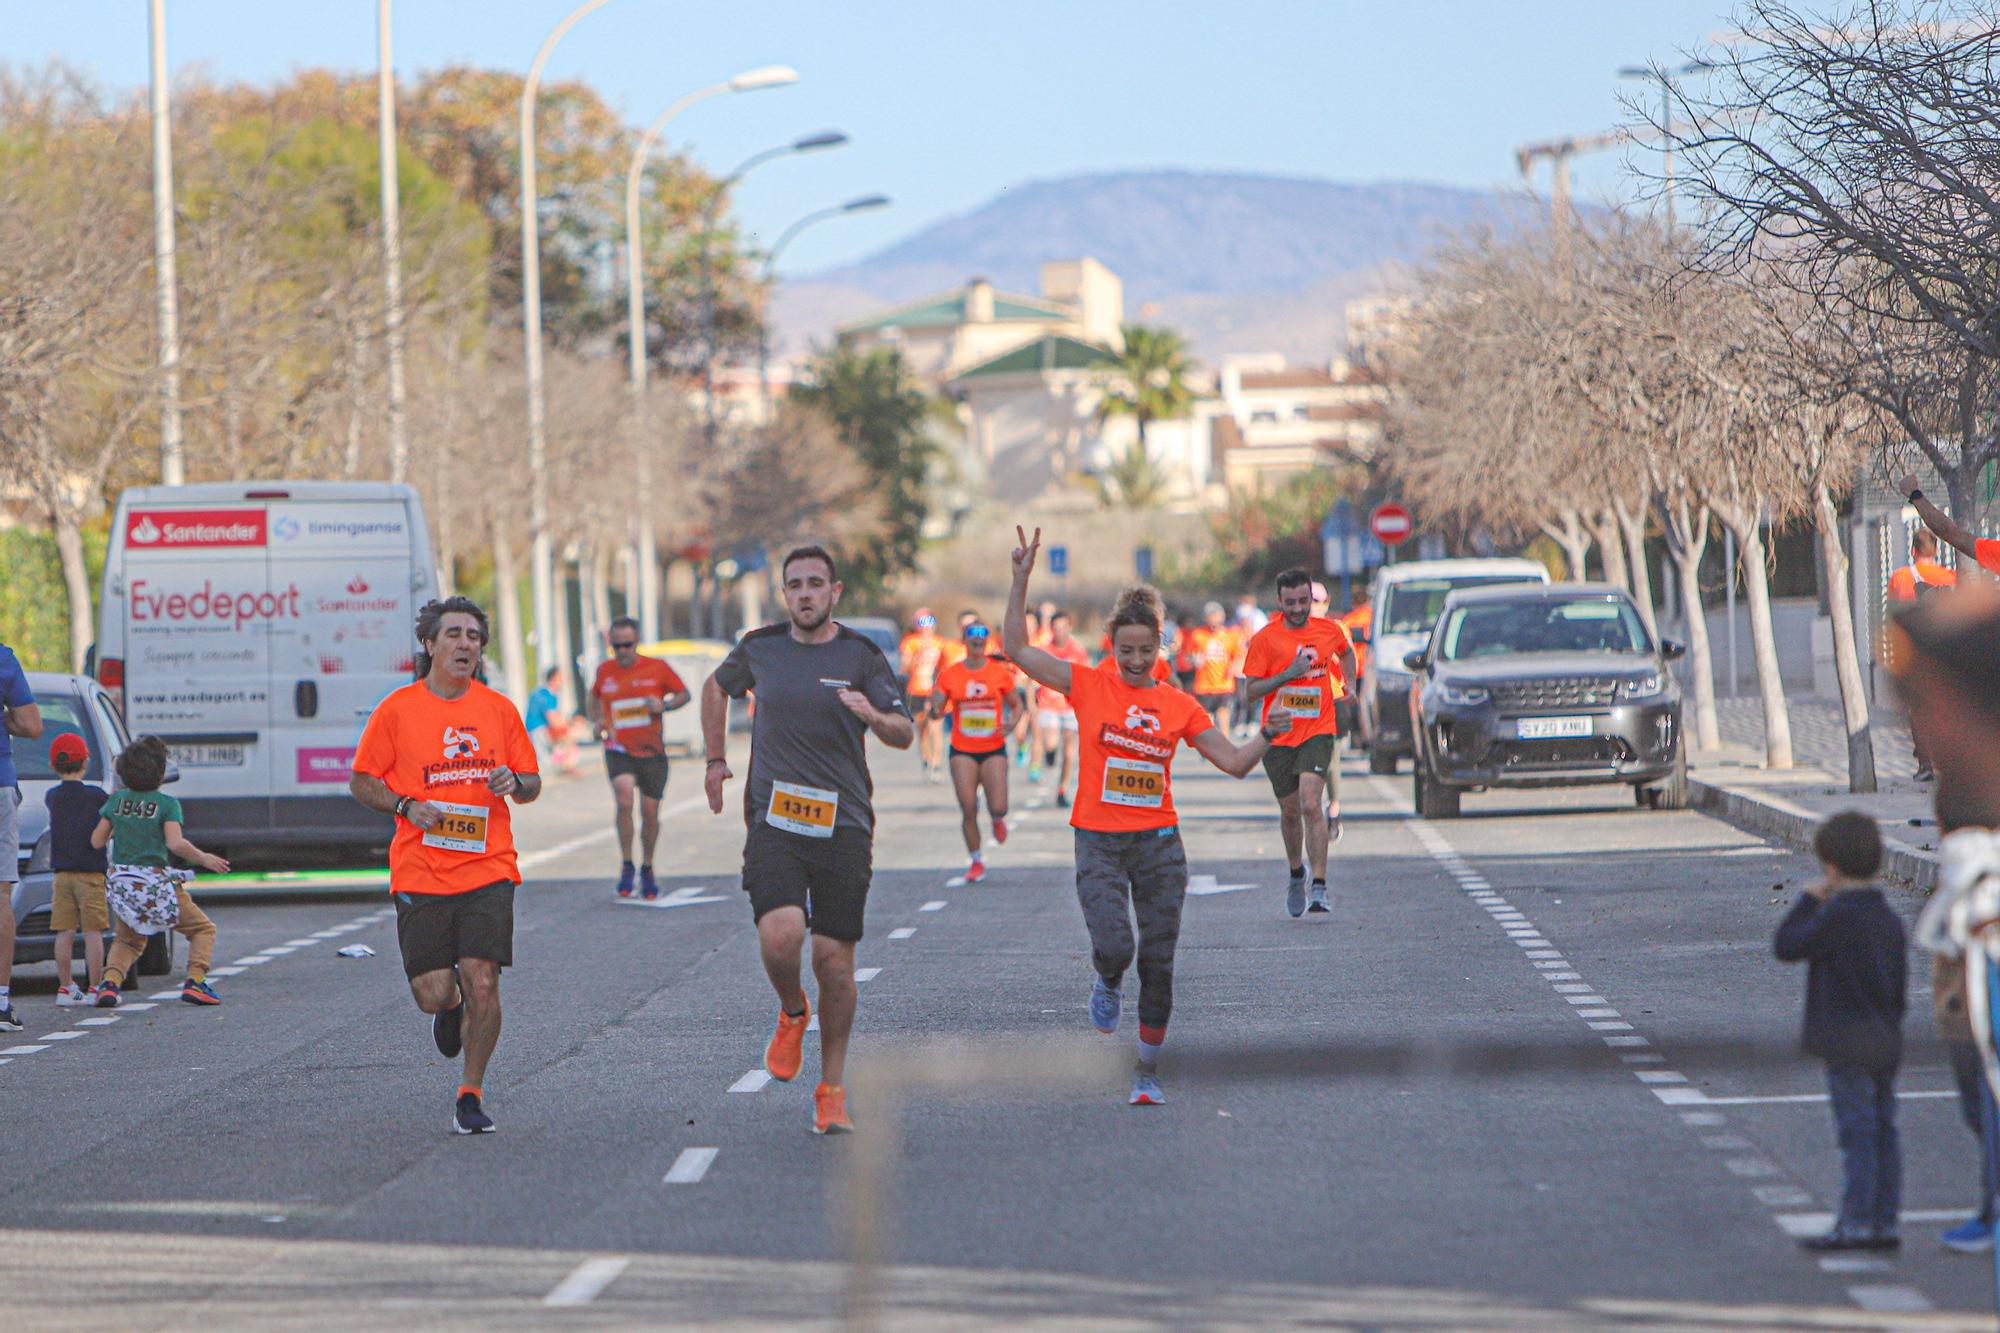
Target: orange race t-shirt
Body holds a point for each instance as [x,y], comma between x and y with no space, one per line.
[1904,583]
[1214,652]
[1312,695]
[954,651]
[443,751]
[1987,552]
[1072,652]
[623,694]
[921,654]
[1357,623]
[978,703]
[1124,773]
[1161,669]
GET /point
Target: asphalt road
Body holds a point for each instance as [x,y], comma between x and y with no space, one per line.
[1536,1070]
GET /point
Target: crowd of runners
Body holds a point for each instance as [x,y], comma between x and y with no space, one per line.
[447,757]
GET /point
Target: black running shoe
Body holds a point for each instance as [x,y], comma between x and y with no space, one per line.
[9,1021]
[445,1029]
[468,1118]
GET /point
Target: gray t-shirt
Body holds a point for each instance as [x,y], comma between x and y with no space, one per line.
[803,736]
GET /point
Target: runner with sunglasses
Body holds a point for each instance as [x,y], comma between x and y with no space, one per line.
[627,700]
[980,694]
[1129,858]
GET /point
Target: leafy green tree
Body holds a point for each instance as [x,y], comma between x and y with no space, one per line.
[883,412]
[1148,382]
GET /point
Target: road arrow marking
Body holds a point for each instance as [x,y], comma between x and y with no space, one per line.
[1203,885]
[686,897]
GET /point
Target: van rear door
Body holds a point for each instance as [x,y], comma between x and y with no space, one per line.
[197,607]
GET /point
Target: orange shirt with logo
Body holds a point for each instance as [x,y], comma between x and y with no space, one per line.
[1072,652]
[1903,584]
[1987,552]
[1162,670]
[1215,653]
[622,694]
[922,651]
[1125,762]
[1311,696]
[443,751]
[978,703]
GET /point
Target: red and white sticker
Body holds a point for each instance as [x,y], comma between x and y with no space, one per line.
[182,529]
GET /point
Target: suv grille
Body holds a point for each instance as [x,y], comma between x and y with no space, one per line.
[1557,692]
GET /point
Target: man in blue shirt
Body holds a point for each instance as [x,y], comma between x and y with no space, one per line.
[22,718]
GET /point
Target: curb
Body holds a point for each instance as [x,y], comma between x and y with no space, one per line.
[1775,817]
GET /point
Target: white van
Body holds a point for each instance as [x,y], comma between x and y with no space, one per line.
[1406,598]
[253,626]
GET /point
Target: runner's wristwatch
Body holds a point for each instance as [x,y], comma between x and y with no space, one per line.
[403,804]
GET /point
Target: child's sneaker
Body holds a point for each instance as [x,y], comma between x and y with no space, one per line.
[71,996]
[106,995]
[9,1020]
[199,992]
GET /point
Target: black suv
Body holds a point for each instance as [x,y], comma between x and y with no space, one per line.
[1545,686]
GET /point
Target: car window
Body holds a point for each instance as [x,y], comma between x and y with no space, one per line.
[1583,625]
[60,713]
[1412,606]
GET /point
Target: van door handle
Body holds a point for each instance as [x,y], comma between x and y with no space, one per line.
[305,699]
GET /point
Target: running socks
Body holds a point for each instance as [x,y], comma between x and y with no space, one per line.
[465,1088]
[1151,1039]
[1299,872]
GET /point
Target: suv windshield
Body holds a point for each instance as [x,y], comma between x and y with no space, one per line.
[1412,607]
[60,713]
[1578,625]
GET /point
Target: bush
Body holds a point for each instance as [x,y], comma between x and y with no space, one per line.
[34,609]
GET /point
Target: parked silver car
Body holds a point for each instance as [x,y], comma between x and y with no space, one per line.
[68,703]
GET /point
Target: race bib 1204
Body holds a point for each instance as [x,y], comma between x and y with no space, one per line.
[805,810]
[463,828]
[1303,700]
[1134,782]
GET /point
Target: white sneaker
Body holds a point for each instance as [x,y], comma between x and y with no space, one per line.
[69,997]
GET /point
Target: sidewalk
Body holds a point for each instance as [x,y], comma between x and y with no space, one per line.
[1733,783]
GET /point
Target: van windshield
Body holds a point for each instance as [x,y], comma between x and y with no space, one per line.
[1412,606]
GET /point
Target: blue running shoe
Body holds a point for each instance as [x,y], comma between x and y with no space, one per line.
[1970,1237]
[649,888]
[469,1118]
[626,878]
[1295,895]
[1146,1091]
[1104,1000]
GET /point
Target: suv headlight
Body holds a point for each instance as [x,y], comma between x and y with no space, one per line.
[1462,696]
[1642,687]
[40,857]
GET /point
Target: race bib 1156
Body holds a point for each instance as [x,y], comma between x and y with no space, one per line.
[463,828]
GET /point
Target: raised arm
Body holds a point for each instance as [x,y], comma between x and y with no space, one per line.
[1237,760]
[1948,529]
[1038,665]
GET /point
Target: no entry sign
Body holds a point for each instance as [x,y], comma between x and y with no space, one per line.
[1391,524]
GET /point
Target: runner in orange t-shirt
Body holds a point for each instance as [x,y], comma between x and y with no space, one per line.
[1215,647]
[443,755]
[1914,581]
[627,700]
[1303,662]
[1055,720]
[923,653]
[979,693]
[1129,858]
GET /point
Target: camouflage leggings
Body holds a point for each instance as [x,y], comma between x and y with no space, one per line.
[1148,871]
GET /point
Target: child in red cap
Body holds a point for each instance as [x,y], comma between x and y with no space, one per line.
[79,902]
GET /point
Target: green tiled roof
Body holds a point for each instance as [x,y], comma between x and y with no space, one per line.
[949,309]
[1051,351]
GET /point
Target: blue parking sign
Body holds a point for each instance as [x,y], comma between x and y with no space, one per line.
[1059,560]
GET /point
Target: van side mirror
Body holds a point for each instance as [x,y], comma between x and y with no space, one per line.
[1417,661]
[1671,649]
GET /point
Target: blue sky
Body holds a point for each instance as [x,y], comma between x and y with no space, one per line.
[948,103]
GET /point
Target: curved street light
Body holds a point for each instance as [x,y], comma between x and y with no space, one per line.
[1666,79]
[860,204]
[767,76]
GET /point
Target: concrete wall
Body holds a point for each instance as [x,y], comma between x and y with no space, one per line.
[1792,618]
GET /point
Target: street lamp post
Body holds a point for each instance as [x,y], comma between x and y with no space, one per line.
[862,204]
[392,243]
[1665,78]
[173,470]
[770,76]
[542,557]
[810,143]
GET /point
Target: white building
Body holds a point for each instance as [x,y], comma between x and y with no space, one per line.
[1277,420]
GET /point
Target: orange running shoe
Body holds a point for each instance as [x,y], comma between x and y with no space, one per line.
[1000,829]
[975,872]
[784,1055]
[830,1110]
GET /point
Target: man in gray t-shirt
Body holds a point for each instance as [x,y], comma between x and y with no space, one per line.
[808,853]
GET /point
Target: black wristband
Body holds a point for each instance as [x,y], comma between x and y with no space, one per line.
[1916,496]
[402,806]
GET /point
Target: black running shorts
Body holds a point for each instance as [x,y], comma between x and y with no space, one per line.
[826,878]
[435,930]
[650,771]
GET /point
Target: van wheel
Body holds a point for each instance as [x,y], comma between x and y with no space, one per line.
[1435,800]
[158,958]
[1380,760]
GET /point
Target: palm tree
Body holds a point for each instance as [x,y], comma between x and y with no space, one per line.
[1147,382]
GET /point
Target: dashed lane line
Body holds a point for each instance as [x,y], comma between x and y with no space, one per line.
[585,1281]
[862,974]
[902,932]
[934,905]
[753,1081]
[690,1166]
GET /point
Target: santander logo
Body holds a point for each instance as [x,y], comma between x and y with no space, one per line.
[145,532]
[357,585]
[180,528]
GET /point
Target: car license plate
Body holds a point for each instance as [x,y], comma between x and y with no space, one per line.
[208,756]
[1550,728]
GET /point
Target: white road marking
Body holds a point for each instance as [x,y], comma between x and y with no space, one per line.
[1643,1058]
[1626,1041]
[1592,1013]
[234,970]
[1660,1076]
[902,932]
[1890,1299]
[140,1005]
[605,834]
[65,1036]
[686,896]
[585,1281]
[753,1081]
[690,1166]
[1683,1097]
[1580,989]
[325,934]
[254,960]
[1750,1166]
[278,950]
[1585,1000]
[1547,953]
[173,994]
[1807,1098]
[1559,976]
[1609,1026]
[104,1021]
[22,1050]
[1813,1224]
[955,882]
[1202,886]
[1854,1263]
[862,974]
[934,905]
[306,943]
[1780,1196]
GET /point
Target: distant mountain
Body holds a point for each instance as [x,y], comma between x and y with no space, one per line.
[1241,263]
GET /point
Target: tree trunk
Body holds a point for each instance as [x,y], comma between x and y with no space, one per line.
[76,582]
[562,652]
[446,535]
[1763,637]
[351,464]
[507,615]
[1632,527]
[1574,539]
[1687,538]
[1846,654]
[1610,548]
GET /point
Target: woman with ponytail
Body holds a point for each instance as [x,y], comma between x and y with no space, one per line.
[1129,859]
